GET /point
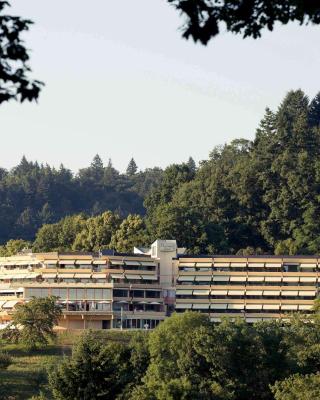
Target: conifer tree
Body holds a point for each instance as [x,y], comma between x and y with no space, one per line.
[132,168]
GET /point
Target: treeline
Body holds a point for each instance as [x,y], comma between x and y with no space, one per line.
[32,195]
[187,357]
[249,197]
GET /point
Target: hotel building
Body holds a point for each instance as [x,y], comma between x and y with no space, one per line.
[137,291]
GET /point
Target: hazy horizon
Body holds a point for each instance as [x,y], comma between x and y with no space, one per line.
[121,82]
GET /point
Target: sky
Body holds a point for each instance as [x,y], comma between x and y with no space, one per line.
[121,82]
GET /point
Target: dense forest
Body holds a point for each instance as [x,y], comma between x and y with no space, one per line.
[249,197]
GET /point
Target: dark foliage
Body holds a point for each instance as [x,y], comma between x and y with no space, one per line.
[14,56]
[32,195]
[247,17]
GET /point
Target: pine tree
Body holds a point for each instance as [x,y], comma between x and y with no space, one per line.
[131,168]
[191,164]
[97,162]
[314,111]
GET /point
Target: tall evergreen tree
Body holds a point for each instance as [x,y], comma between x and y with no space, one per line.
[132,168]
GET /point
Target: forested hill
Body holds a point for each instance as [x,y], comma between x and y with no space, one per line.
[249,197]
[32,195]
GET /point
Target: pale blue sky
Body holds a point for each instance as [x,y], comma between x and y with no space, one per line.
[121,82]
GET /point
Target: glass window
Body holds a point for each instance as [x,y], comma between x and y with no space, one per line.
[72,294]
[106,293]
[90,294]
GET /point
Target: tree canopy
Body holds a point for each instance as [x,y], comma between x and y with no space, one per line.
[187,357]
[249,197]
[204,18]
[32,323]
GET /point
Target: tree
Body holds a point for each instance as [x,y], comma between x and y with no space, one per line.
[175,367]
[34,321]
[192,164]
[95,371]
[132,232]
[15,83]
[298,387]
[131,168]
[97,232]
[13,247]
[248,17]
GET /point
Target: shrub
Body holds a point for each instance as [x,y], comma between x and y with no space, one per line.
[5,360]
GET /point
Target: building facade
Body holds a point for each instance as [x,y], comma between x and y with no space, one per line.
[138,291]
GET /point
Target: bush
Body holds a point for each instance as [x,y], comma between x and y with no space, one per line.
[5,360]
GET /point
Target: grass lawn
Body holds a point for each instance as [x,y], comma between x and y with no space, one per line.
[26,376]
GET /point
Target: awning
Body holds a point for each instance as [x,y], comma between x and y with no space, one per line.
[201,292]
[271,292]
[183,306]
[2,303]
[66,262]
[8,290]
[204,264]
[32,276]
[236,292]
[19,276]
[84,262]
[273,265]
[186,264]
[184,292]
[201,306]
[6,277]
[117,262]
[133,276]
[238,279]
[255,265]
[289,307]
[273,278]
[82,275]
[254,306]
[10,304]
[237,306]
[117,276]
[99,262]
[271,306]
[133,263]
[308,279]
[305,306]
[254,292]
[187,278]
[308,265]
[148,263]
[50,262]
[155,302]
[220,278]
[99,276]
[255,278]
[219,292]
[149,277]
[238,265]
[64,276]
[218,306]
[289,293]
[291,279]
[49,276]
[310,293]
[218,264]
[203,278]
